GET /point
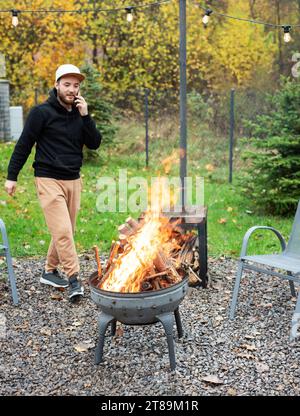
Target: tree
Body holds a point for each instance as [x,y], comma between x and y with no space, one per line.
[273,175]
[99,108]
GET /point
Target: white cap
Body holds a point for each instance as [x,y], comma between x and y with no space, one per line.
[68,69]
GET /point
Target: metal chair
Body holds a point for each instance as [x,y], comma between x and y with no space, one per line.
[5,250]
[288,260]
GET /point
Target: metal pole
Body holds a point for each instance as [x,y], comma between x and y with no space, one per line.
[183,125]
[147,125]
[231,140]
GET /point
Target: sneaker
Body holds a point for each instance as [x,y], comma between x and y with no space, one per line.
[75,288]
[53,279]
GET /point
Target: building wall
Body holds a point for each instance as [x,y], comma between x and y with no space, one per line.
[4,110]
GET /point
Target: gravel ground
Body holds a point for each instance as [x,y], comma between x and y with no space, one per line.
[48,347]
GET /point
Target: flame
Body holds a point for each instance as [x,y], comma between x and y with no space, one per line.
[142,248]
[131,265]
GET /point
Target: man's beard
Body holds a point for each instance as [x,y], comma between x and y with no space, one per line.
[64,99]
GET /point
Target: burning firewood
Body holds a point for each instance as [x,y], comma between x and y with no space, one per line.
[174,258]
[98,262]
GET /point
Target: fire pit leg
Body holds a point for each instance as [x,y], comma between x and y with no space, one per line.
[178,323]
[167,320]
[103,321]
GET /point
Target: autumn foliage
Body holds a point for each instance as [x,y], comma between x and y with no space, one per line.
[143,53]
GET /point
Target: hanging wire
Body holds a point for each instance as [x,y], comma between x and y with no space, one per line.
[258,22]
[96,10]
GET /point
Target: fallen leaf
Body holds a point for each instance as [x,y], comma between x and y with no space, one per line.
[119,331]
[249,337]
[222,221]
[42,242]
[77,323]
[231,392]
[46,331]
[229,209]
[261,368]
[249,347]
[212,379]
[209,167]
[56,296]
[246,355]
[84,346]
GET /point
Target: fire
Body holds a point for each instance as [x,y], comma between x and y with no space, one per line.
[131,265]
[144,253]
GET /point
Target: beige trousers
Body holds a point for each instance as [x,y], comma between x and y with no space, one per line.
[60,201]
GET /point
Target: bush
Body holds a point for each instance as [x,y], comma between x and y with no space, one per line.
[273,175]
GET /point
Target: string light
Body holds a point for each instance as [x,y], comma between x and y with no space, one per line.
[286,30]
[15,20]
[205,19]
[129,11]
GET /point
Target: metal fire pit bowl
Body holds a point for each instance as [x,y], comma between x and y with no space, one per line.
[140,308]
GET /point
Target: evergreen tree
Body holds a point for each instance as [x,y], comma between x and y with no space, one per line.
[99,108]
[273,173]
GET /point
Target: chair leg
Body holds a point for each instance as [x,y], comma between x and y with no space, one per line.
[292,286]
[296,320]
[236,290]
[11,274]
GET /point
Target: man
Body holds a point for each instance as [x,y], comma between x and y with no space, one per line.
[59,127]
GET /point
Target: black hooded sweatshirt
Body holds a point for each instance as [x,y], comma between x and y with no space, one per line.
[59,135]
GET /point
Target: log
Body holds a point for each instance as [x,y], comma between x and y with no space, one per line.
[193,277]
[155,284]
[160,262]
[98,262]
[132,223]
[113,251]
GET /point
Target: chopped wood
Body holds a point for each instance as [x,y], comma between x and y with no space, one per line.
[193,277]
[177,258]
[156,284]
[156,275]
[124,229]
[113,252]
[132,223]
[160,262]
[99,268]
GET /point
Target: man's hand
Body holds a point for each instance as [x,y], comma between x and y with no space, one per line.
[81,104]
[10,187]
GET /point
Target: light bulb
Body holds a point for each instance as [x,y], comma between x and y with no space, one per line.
[129,16]
[287,37]
[14,20]
[205,19]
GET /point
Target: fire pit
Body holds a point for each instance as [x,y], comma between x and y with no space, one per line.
[146,275]
[139,309]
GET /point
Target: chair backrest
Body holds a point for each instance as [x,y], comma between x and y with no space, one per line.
[293,247]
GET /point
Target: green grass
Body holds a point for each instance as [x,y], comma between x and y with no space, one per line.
[229,213]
